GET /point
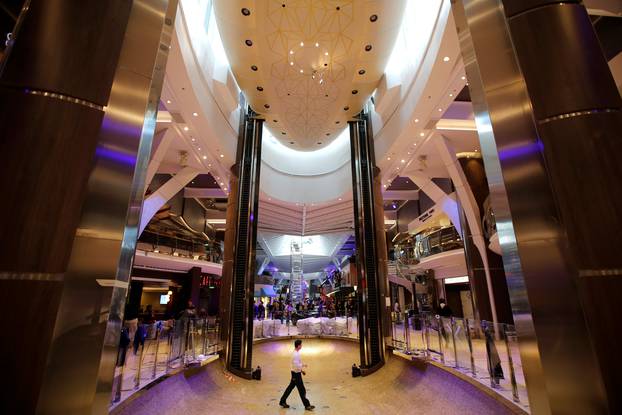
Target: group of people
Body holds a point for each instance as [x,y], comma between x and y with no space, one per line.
[281,309]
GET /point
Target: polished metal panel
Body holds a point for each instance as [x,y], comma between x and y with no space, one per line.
[78,378]
[554,341]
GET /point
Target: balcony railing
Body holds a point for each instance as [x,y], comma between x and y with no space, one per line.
[430,242]
[485,351]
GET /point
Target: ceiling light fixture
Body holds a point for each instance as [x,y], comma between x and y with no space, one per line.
[367,48]
[446,59]
[373,18]
[259,88]
[440,110]
[194,139]
[194,114]
[199,149]
[186,128]
[248,42]
[388,158]
[204,157]
[302,43]
[291,52]
[403,161]
[168,101]
[254,67]
[246,12]
[291,64]
[416,119]
[222,155]
[451,95]
[421,134]
[463,78]
[317,45]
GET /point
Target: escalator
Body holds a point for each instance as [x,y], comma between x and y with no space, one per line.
[240,340]
[369,279]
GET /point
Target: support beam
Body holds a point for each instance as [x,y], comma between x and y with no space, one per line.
[169,135]
[156,200]
[440,198]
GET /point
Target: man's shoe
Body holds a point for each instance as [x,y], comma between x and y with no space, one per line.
[309,408]
[284,405]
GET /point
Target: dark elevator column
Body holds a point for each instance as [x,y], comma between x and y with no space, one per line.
[370,246]
[548,115]
[240,247]
[79,92]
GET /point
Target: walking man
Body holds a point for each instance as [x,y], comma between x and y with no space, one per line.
[296,380]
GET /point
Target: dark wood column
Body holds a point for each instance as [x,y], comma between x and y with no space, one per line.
[78,99]
[473,168]
[549,118]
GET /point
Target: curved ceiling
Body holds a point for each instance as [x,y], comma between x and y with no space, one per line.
[308,65]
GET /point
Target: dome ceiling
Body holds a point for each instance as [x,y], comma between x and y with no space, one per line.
[308,65]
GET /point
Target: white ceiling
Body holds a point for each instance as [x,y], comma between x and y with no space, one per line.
[306,60]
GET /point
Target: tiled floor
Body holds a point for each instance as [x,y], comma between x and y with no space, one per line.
[398,388]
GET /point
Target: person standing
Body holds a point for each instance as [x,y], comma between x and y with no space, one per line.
[296,380]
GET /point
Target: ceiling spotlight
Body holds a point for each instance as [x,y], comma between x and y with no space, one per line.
[222,184]
[246,12]
[301,71]
[254,67]
[362,72]
[403,161]
[346,108]
[222,155]
[339,198]
[416,119]
[451,95]
[209,165]
[463,78]
[440,110]
[355,91]
[199,149]
[260,88]
[195,114]
[302,43]
[266,106]
[248,42]
[204,157]
[291,64]
[168,101]
[421,134]
[186,128]
[193,139]
[367,48]
[317,45]
[373,18]
[446,59]
[388,158]
[291,52]
[384,185]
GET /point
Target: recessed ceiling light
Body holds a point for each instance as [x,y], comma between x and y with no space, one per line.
[325,54]
[403,161]
[451,95]
[388,158]
[337,122]
[319,142]
[194,114]
[275,120]
[254,67]
[317,45]
[446,59]
[246,12]
[204,157]
[367,48]
[222,184]
[209,165]
[248,42]
[291,52]
[362,72]
[416,119]
[283,132]
[327,134]
[199,148]
[463,78]
[440,110]
[186,128]
[291,64]
[301,71]
[292,142]
[302,43]
[222,155]
[225,189]
[373,18]
[385,186]
[339,198]
[421,134]
[266,106]
[168,101]
[260,88]
[355,91]
[346,108]
[194,139]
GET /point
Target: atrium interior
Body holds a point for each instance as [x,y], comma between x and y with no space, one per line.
[391,206]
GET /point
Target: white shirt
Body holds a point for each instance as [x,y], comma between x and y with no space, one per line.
[296,362]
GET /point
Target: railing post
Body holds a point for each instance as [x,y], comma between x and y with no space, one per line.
[439,325]
[407,331]
[469,341]
[488,336]
[155,357]
[139,366]
[427,335]
[452,324]
[171,332]
[511,364]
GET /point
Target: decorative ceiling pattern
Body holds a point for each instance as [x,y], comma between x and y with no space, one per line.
[308,65]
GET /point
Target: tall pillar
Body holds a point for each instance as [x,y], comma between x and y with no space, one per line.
[373,292]
[79,92]
[548,115]
[475,174]
[240,247]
